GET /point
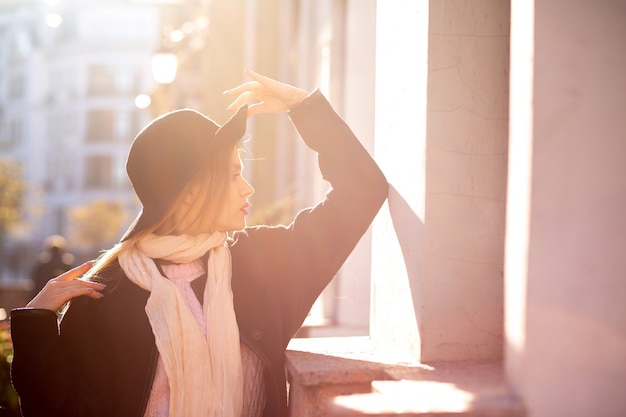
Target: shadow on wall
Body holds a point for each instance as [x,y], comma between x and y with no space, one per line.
[409,230]
[396,315]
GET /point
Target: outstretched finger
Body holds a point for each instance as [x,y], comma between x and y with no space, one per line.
[243,99]
[76,272]
[262,79]
[74,291]
[242,88]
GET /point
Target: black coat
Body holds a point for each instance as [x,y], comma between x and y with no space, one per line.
[102,361]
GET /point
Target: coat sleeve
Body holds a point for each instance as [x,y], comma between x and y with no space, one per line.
[299,260]
[41,371]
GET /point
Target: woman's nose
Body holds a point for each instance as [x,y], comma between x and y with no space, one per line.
[248,190]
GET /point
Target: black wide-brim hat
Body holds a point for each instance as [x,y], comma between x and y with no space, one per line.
[168,152]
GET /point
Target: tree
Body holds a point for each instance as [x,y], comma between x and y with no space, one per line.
[11,192]
[97,225]
[11,198]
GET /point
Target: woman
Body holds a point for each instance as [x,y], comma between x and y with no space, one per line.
[191,313]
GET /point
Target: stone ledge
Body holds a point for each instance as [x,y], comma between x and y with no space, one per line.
[347,377]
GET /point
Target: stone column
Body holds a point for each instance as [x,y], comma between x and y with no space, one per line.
[566,324]
[441,136]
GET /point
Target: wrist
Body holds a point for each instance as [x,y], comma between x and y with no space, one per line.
[296,99]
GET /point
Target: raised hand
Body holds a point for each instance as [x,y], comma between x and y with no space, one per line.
[265,95]
[63,288]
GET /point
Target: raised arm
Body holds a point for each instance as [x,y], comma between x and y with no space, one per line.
[298,261]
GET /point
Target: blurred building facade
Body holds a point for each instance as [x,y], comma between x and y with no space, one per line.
[70,72]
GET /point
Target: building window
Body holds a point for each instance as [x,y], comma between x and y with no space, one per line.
[100,126]
[11,135]
[17,86]
[17,130]
[107,80]
[20,44]
[98,172]
[62,128]
[101,80]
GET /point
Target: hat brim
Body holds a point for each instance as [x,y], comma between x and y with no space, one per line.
[228,134]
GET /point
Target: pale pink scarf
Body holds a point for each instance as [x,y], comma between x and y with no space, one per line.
[204,373]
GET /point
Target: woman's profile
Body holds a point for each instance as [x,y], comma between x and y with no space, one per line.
[191,313]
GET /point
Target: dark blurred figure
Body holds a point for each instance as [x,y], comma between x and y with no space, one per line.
[53,261]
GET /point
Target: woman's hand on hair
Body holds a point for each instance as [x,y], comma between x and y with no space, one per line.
[265,95]
[61,289]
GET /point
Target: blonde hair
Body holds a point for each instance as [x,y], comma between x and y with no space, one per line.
[212,183]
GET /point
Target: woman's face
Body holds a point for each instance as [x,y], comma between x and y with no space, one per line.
[195,216]
[235,208]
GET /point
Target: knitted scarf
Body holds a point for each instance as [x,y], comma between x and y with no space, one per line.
[204,374]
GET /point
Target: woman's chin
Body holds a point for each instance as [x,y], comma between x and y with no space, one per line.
[232,228]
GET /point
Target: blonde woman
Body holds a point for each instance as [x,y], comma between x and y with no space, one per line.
[191,313]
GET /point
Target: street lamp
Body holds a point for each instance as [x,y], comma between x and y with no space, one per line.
[143,101]
[164,66]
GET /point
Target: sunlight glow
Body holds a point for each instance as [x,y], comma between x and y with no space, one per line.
[143,101]
[400,149]
[164,67]
[53,20]
[324,83]
[177,35]
[405,397]
[519,178]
